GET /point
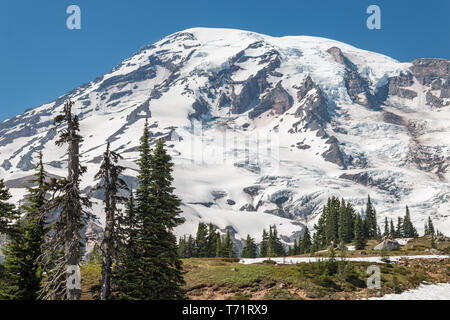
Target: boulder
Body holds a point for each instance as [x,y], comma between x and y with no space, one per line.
[388,244]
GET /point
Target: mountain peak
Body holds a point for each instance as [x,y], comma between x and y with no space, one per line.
[262,129]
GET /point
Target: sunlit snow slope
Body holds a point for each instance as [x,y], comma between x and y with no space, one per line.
[262,129]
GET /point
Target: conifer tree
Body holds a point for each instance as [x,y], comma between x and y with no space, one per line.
[370,220]
[343,227]
[127,253]
[249,250]
[430,228]
[320,228]
[332,217]
[386,227]
[392,229]
[275,246]
[111,183]
[211,241]
[306,241]
[409,230]
[227,246]
[63,251]
[360,241]
[8,214]
[201,240]
[219,248]
[158,210]
[22,254]
[295,249]
[263,251]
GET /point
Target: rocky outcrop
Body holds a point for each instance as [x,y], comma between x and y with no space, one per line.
[313,107]
[6,165]
[388,244]
[357,86]
[334,153]
[434,101]
[397,86]
[254,86]
[277,99]
[201,109]
[426,71]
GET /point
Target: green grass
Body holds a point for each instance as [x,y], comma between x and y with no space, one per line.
[318,280]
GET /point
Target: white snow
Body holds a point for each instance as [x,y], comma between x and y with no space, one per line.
[224,156]
[440,291]
[295,260]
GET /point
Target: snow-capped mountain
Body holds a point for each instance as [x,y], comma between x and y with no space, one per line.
[262,129]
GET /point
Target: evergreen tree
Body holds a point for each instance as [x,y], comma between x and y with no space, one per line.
[23,266]
[63,251]
[201,240]
[392,229]
[249,250]
[111,183]
[343,228]
[211,241]
[429,229]
[360,241]
[409,230]
[275,246]
[370,221]
[386,227]
[331,218]
[320,228]
[227,246]
[295,249]
[127,257]
[8,214]
[264,248]
[350,214]
[219,247]
[306,241]
[158,209]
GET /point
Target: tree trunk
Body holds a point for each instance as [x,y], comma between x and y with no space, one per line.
[107,244]
[72,241]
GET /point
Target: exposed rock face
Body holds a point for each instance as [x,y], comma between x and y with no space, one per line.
[389,245]
[276,99]
[434,101]
[428,70]
[390,117]
[334,154]
[6,165]
[313,105]
[201,109]
[396,86]
[357,86]
[435,74]
[254,86]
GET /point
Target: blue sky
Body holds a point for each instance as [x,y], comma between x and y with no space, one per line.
[40,59]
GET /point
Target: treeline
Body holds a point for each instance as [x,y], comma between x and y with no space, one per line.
[45,246]
[339,224]
[208,243]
